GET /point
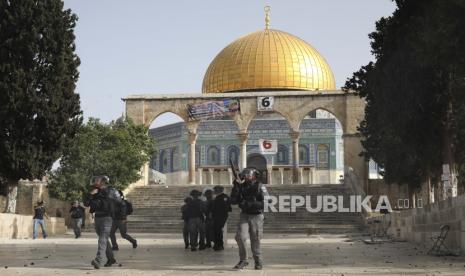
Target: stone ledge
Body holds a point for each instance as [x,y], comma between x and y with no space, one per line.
[15,226]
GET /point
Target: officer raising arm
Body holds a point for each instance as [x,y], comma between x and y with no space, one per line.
[249,194]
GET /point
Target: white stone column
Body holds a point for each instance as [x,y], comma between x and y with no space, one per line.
[230,176]
[199,172]
[192,138]
[146,174]
[301,176]
[295,156]
[243,136]
[310,175]
[281,175]
[269,170]
[210,176]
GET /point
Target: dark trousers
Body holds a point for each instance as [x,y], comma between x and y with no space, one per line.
[218,224]
[250,226]
[118,224]
[103,229]
[196,229]
[77,224]
[209,232]
[185,233]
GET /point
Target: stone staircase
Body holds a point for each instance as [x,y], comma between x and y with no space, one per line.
[157,210]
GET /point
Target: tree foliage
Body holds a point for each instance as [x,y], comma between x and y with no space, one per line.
[414,89]
[39,111]
[118,149]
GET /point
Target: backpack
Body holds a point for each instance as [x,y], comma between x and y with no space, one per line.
[129,209]
[108,201]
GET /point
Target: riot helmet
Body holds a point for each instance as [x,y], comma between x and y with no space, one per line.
[249,174]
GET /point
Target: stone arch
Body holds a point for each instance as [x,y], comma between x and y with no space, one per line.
[347,107]
[258,114]
[339,116]
[156,115]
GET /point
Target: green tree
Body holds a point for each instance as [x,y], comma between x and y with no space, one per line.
[118,149]
[39,111]
[413,90]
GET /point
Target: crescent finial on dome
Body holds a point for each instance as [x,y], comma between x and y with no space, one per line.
[267,17]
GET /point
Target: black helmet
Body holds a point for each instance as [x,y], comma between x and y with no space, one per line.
[218,189]
[249,172]
[195,192]
[103,178]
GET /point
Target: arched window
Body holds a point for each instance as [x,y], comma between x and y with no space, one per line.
[154,161]
[282,157]
[233,154]
[303,155]
[213,155]
[164,166]
[174,159]
[323,156]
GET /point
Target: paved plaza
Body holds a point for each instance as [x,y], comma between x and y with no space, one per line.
[160,254]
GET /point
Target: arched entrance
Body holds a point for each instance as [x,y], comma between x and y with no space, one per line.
[257,161]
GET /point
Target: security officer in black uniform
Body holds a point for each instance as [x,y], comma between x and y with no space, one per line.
[250,195]
[208,218]
[220,208]
[105,203]
[195,214]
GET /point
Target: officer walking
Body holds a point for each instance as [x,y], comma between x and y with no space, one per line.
[104,202]
[195,214]
[250,195]
[220,208]
[120,222]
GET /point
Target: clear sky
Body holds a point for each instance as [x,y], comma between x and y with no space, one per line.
[150,46]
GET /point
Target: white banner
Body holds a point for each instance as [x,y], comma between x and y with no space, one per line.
[268,146]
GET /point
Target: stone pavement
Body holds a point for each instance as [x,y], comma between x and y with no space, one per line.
[164,254]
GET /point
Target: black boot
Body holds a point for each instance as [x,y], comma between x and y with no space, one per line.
[241,265]
[110,263]
[95,264]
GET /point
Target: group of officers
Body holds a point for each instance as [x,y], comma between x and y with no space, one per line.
[203,220]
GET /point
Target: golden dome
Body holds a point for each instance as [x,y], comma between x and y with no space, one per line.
[268,60]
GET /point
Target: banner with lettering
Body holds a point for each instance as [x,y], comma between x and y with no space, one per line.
[213,109]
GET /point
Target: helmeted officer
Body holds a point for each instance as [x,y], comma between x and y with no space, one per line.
[220,208]
[250,195]
[208,194]
[195,214]
[104,202]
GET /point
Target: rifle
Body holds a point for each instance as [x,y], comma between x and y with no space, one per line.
[235,171]
[236,193]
